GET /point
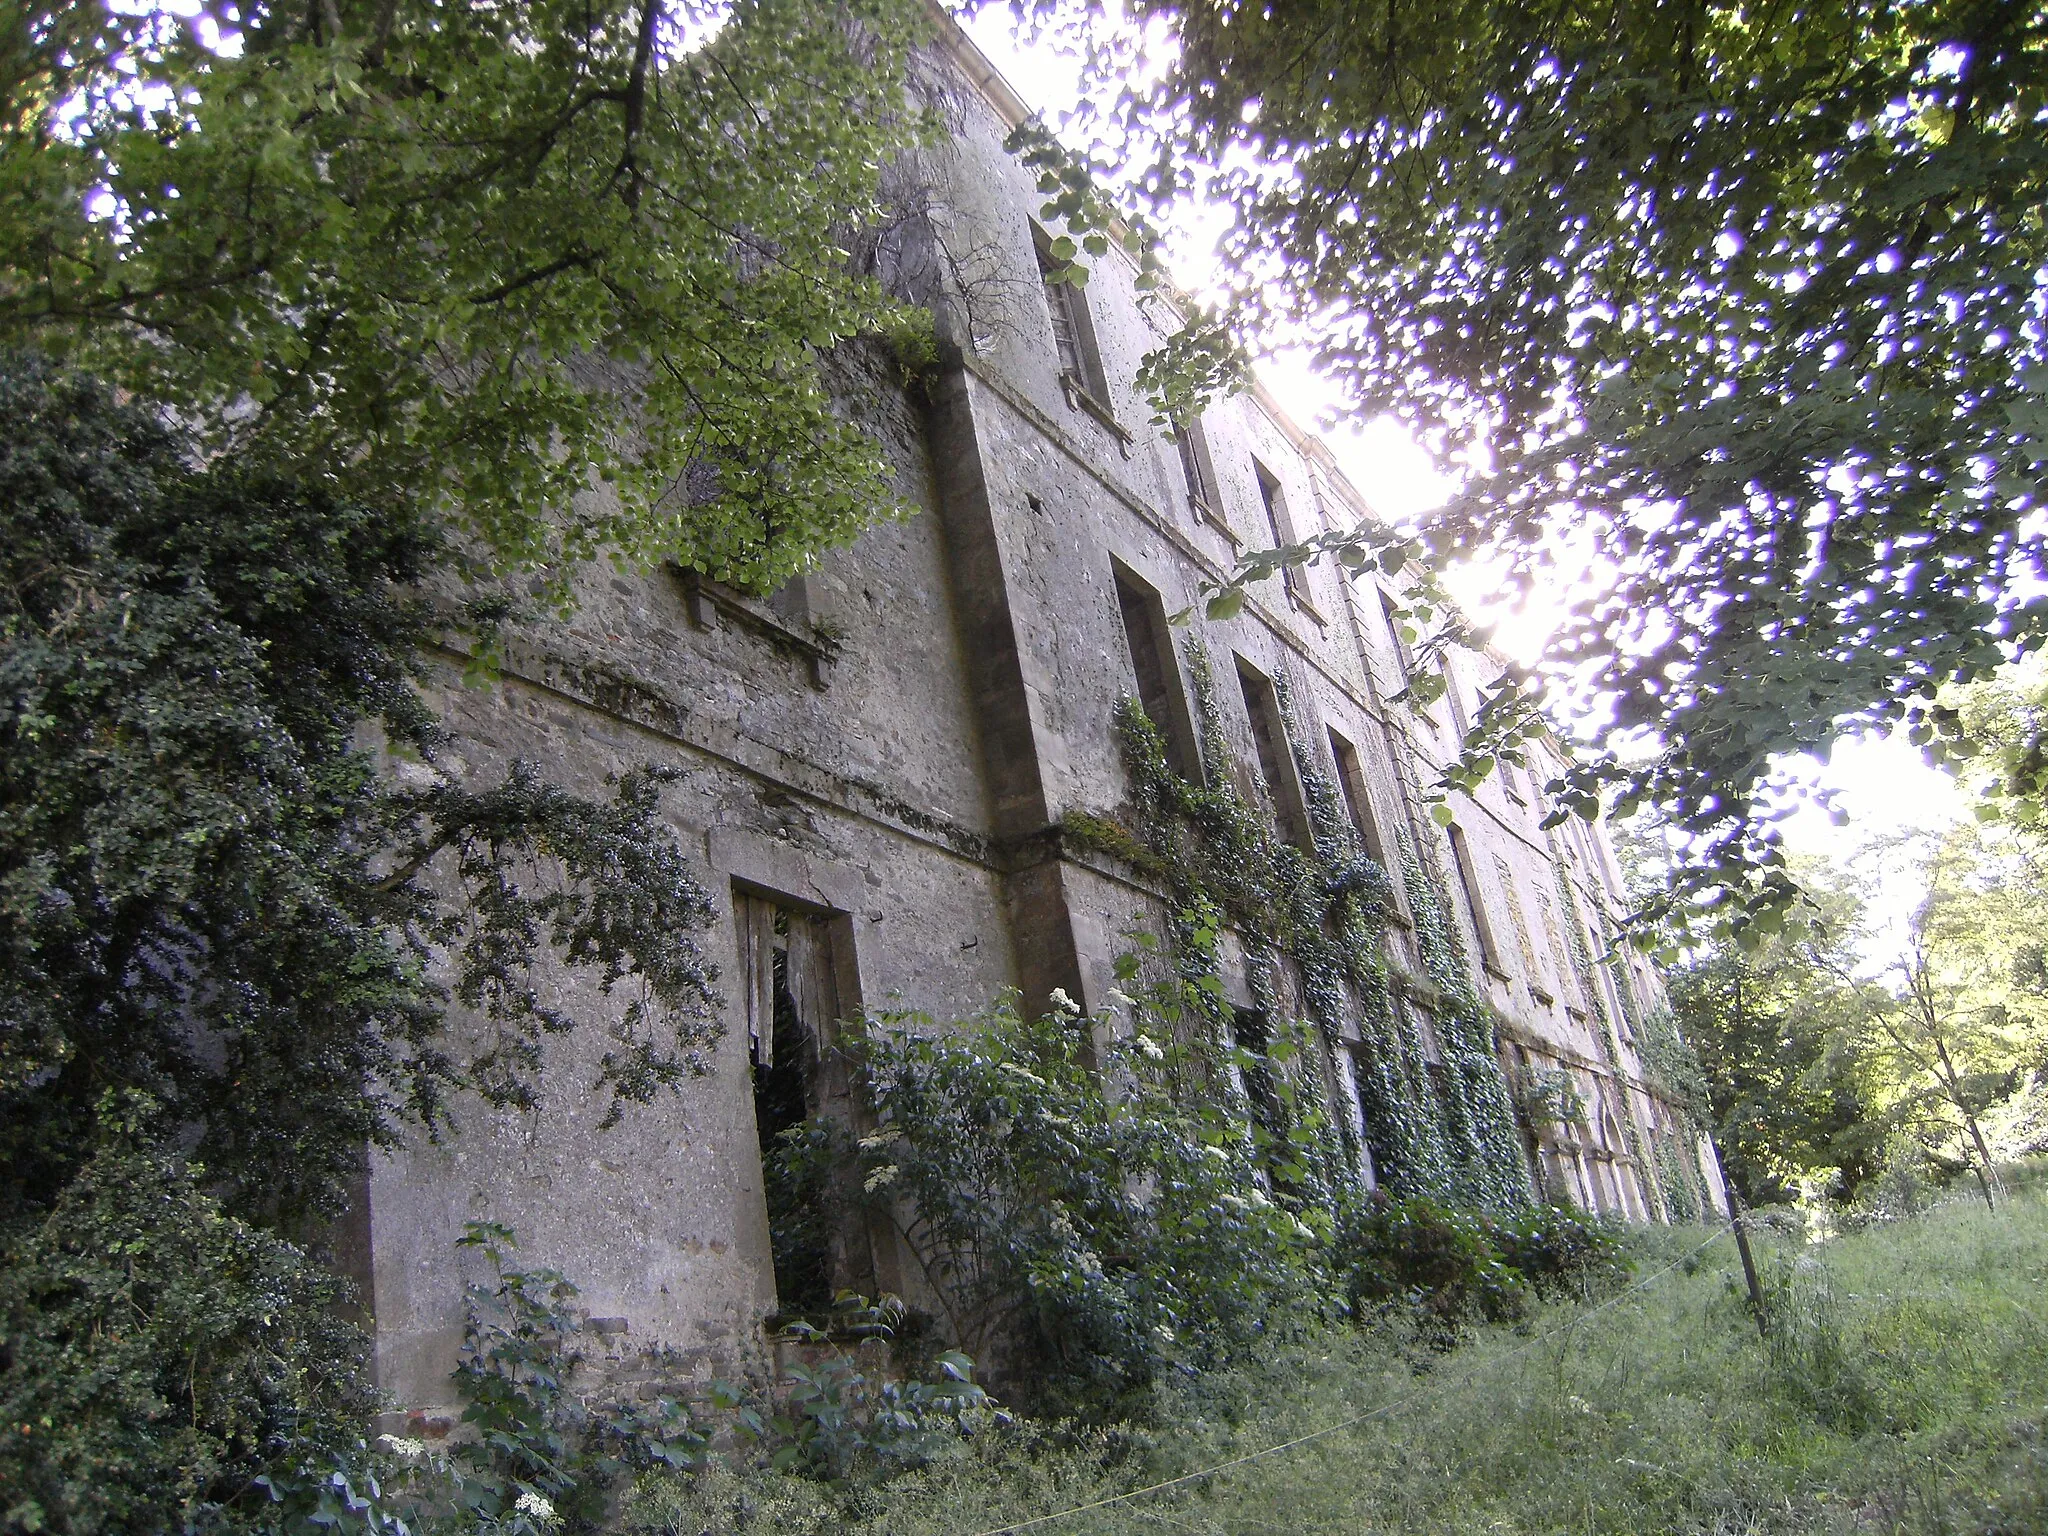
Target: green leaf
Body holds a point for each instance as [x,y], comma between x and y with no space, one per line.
[1226,604]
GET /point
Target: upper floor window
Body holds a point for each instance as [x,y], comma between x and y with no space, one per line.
[1456,699]
[1357,798]
[1281,526]
[1158,677]
[1475,901]
[1276,759]
[1073,330]
[1196,467]
[1404,659]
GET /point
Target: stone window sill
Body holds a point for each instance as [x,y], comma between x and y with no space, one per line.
[1298,596]
[1207,514]
[1082,399]
[707,601]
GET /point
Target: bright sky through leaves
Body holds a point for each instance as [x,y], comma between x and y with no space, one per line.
[1884,785]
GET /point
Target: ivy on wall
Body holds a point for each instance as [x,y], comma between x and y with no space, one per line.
[1673,1072]
[1673,1170]
[1610,1044]
[1441,1127]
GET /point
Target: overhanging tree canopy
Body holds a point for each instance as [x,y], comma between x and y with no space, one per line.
[481,257]
[1744,300]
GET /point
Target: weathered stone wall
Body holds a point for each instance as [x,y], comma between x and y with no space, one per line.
[892,745]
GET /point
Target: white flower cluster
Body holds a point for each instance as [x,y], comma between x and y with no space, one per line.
[535,1507]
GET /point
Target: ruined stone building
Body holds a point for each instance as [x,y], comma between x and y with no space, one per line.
[891,770]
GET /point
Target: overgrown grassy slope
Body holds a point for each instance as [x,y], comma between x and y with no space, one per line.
[1904,1389]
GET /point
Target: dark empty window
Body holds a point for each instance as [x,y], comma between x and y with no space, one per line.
[790,999]
[1159,690]
[1073,332]
[1357,799]
[1281,527]
[1252,1036]
[1276,760]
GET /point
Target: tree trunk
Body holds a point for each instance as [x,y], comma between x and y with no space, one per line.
[1983,1158]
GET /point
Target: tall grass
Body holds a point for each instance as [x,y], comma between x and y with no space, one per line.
[1903,1388]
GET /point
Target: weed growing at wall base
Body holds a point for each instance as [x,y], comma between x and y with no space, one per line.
[1911,1403]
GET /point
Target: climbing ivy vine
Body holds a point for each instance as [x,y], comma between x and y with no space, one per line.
[1673,1174]
[1610,1043]
[1442,1129]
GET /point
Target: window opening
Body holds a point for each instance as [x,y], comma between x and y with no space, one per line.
[1456,700]
[1567,974]
[1434,1066]
[1468,884]
[1351,787]
[1514,899]
[1281,525]
[1404,659]
[1511,781]
[1073,332]
[791,1000]
[1251,1034]
[1157,674]
[1269,740]
[1196,467]
[1347,1082]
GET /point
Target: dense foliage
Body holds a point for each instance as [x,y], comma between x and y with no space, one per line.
[160,1354]
[1901,1387]
[1758,1021]
[209,894]
[1843,1054]
[229,946]
[1952,1037]
[1738,306]
[1449,1266]
[1093,1228]
[1077,1221]
[478,257]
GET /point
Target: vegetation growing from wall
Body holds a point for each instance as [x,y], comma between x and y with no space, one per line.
[1320,912]
[1075,1215]
[229,943]
[1079,1212]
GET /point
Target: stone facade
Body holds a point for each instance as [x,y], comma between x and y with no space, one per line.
[877,760]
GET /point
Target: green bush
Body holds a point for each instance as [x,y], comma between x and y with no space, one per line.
[1073,1221]
[160,1354]
[1452,1266]
[1428,1257]
[1562,1251]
